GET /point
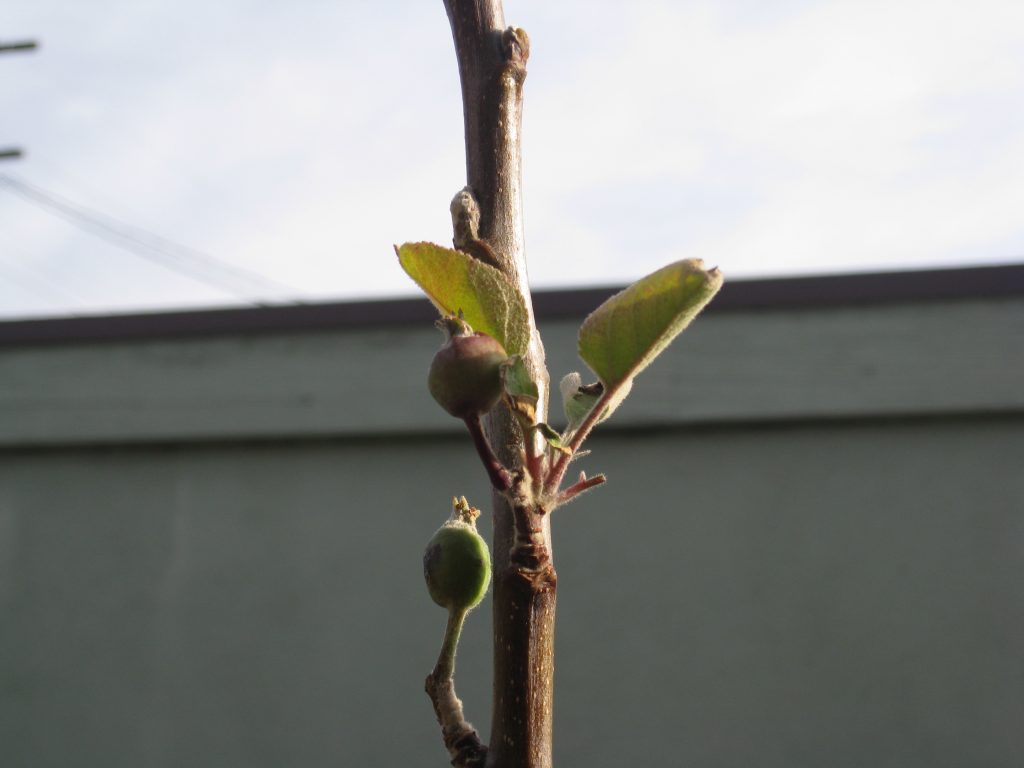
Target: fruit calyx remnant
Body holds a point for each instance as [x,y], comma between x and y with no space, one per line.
[454,325]
[462,512]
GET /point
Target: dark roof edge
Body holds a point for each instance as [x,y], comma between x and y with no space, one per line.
[739,295]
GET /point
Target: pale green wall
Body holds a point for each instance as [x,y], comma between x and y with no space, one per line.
[800,589]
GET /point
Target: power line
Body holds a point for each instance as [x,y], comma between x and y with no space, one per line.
[23,266]
[19,45]
[169,254]
[32,287]
[38,286]
[77,187]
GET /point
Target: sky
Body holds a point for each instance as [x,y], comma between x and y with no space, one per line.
[194,154]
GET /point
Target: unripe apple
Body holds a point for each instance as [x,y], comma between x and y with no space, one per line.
[465,375]
[456,563]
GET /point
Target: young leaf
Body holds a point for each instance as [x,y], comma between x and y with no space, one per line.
[576,402]
[622,336]
[517,379]
[554,439]
[580,399]
[455,281]
[521,391]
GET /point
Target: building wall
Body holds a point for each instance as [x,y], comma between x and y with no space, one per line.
[210,548]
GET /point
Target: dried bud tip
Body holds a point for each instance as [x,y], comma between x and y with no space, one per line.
[465,217]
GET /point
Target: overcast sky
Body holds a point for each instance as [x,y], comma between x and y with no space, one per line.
[299,140]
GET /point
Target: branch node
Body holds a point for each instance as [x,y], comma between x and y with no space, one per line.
[536,580]
[460,737]
[530,551]
[515,45]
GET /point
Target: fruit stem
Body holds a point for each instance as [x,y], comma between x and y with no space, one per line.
[445,667]
[460,737]
[500,477]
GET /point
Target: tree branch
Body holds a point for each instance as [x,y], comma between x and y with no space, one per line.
[492,70]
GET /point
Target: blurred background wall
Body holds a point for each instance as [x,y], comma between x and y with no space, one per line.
[211,527]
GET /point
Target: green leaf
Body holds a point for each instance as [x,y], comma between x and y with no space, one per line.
[622,336]
[554,439]
[455,281]
[521,391]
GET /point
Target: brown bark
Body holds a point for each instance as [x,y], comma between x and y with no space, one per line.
[492,70]
[524,654]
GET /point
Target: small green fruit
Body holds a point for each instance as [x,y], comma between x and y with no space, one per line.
[465,375]
[456,563]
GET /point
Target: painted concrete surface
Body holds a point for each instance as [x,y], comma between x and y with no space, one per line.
[793,588]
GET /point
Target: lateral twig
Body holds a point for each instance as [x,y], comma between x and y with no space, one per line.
[580,486]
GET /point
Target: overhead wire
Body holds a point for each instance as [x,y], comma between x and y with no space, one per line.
[182,259]
[37,286]
[36,280]
[74,186]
